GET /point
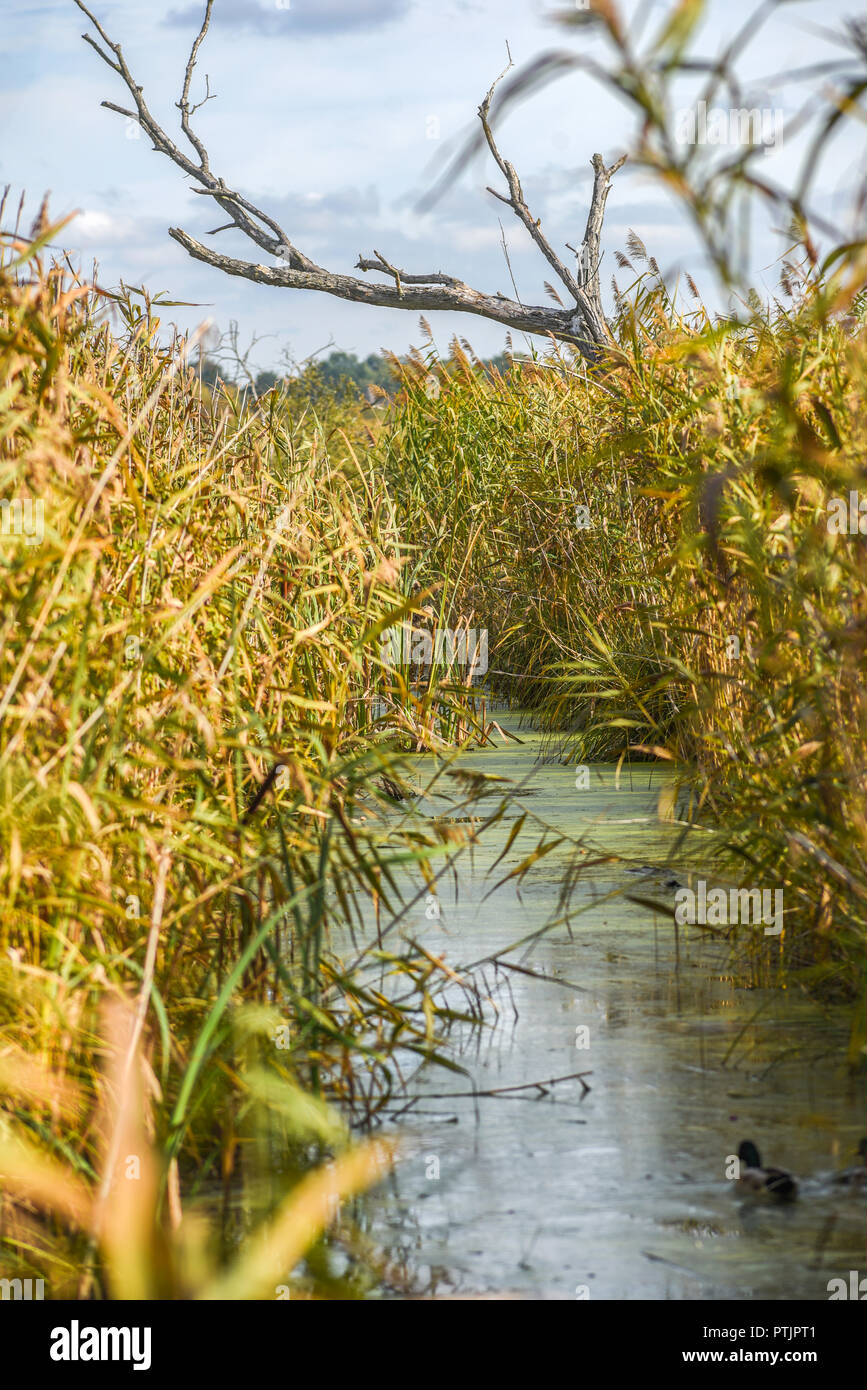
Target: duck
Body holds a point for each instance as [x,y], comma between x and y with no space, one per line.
[856,1176]
[755,1178]
[391,789]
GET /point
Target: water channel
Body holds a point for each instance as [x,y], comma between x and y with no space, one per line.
[620,1191]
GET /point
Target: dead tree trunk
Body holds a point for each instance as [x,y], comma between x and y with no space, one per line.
[580,323]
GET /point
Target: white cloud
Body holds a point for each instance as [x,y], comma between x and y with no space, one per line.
[296,18]
[474,238]
[96,227]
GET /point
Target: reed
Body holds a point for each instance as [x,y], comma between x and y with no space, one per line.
[199,748]
[654,550]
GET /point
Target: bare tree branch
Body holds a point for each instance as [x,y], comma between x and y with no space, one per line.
[587,295]
[184,103]
[582,324]
[425,293]
[590,254]
[232,204]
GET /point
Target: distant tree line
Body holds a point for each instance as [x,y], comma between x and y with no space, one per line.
[341,373]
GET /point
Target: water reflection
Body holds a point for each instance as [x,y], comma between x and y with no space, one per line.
[618,1193]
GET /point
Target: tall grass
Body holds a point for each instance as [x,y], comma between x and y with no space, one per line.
[204,846]
[700,608]
[524,511]
[200,749]
[650,547]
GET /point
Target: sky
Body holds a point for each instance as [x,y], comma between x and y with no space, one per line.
[335,116]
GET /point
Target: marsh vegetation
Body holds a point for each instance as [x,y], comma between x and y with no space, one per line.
[225,815]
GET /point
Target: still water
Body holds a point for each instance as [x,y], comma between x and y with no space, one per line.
[619,1192]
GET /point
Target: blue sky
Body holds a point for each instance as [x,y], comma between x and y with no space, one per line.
[331,114]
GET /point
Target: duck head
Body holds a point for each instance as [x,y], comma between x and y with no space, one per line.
[749,1154]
